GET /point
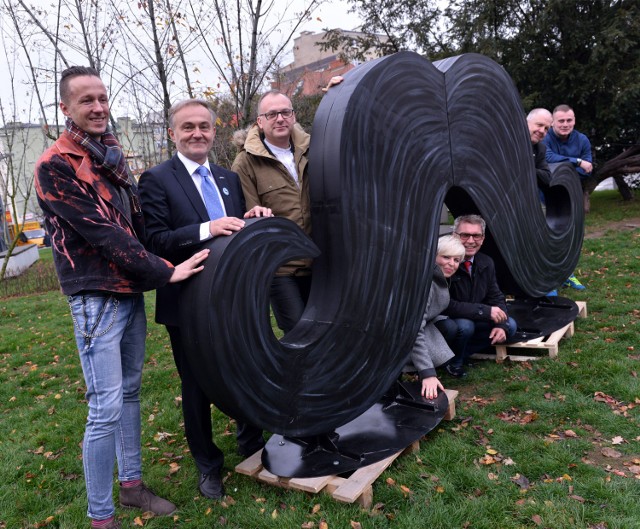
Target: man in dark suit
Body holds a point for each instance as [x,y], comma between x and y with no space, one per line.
[187,201]
[477,309]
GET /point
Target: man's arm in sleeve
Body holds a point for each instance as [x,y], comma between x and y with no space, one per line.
[66,198]
[163,234]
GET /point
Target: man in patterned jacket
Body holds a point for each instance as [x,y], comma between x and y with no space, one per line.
[92,213]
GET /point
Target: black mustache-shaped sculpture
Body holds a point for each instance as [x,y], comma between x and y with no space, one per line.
[397,139]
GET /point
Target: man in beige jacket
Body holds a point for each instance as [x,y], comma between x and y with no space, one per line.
[272,166]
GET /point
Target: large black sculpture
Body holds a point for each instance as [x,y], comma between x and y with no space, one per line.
[397,139]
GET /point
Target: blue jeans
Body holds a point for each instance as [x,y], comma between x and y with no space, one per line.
[110,334]
[466,337]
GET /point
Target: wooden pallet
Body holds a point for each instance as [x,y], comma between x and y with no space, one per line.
[548,344]
[357,488]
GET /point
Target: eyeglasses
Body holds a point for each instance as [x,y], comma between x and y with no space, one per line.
[467,236]
[270,116]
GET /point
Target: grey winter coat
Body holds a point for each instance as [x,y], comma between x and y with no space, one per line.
[430,349]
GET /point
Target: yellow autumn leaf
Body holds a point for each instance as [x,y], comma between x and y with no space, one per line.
[323,525]
[356,525]
[138,521]
[439,489]
[491,451]
[274,514]
[173,468]
[316,508]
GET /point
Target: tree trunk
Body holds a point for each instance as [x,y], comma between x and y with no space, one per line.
[627,162]
[623,187]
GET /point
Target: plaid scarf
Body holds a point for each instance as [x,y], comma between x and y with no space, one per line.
[107,154]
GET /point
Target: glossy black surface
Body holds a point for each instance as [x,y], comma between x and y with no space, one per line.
[542,316]
[401,417]
[395,140]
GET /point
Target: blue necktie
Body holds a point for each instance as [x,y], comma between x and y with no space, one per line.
[211,197]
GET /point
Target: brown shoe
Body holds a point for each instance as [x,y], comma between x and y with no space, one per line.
[143,498]
[113,524]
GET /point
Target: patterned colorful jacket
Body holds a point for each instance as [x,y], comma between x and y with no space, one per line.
[95,246]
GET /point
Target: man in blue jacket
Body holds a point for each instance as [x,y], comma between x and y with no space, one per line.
[565,144]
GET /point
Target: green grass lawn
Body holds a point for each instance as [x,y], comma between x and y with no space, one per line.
[547,444]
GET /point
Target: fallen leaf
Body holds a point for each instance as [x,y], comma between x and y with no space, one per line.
[521,481]
[577,498]
[308,525]
[316,508]
[391,481]
[610,452]
[405,489]
[570,433]
[617,440]
[536,519]
[356,525]
[323,525]
[487,460]
[138,521]
[173,468]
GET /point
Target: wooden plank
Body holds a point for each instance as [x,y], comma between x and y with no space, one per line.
[250,466]
[548,344]
[313,485]
[268,477]
[452,395]
[582,309]
[349,491]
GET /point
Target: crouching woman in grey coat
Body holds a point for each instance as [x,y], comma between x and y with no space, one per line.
[430,349]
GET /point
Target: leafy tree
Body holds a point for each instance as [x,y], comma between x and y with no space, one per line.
[585,53]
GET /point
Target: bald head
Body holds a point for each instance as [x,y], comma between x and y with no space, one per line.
[539,121]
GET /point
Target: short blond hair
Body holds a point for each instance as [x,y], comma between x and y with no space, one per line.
[450,245]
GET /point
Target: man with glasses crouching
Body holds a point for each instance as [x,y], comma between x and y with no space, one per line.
[272,166]
[477,310]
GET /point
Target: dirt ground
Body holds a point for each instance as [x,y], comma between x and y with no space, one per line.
[626,224]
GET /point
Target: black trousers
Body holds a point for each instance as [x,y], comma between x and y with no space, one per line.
[288,296]
[196,412]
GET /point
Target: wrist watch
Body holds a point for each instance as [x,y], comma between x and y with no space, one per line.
[578,161]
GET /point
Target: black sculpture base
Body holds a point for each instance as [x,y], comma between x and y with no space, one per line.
[541,316]
[399,418]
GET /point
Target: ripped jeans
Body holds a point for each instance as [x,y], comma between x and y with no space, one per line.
[110,331]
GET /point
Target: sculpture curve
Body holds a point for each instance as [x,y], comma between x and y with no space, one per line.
[389,145]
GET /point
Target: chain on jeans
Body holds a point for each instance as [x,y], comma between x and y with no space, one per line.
[88,336]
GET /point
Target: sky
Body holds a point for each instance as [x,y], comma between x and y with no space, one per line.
[332,14]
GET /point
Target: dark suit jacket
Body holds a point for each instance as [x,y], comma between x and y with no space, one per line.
[473,300]
[173,211]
